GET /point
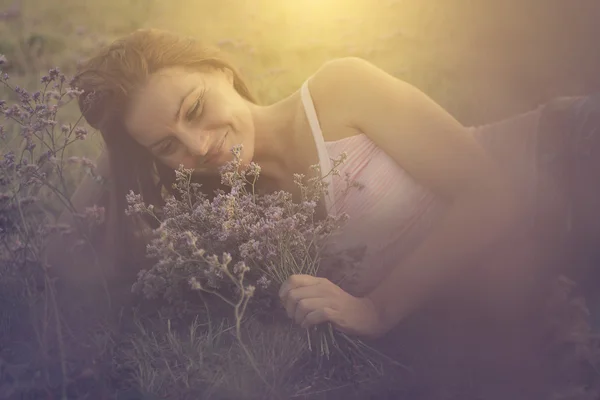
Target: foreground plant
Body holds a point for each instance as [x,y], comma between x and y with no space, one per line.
[241,245]
[34,185]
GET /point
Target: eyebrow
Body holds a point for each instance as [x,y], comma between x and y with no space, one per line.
[177,114]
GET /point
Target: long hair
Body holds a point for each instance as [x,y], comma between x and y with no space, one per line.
[108,81]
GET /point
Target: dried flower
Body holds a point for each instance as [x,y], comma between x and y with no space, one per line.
[268,237]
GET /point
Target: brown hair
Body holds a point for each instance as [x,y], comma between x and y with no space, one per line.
[108,80]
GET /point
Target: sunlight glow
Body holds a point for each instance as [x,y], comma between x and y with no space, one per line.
[322,20]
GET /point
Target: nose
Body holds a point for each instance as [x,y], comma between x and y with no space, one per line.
[197,143]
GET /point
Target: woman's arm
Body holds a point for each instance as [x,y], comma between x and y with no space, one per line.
[438,152]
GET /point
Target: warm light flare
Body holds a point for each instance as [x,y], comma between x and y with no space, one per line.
[322,21]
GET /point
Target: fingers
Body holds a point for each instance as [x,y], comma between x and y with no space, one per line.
[308,300]
[318,316]
[301,294]
[307,306]
[295,281]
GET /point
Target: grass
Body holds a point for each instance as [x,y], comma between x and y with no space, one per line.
[69,343]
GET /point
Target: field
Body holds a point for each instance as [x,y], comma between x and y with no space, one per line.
[481,60]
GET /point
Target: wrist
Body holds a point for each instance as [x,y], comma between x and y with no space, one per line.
[380,325]
[388,314]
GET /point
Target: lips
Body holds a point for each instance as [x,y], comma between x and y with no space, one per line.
[216,150]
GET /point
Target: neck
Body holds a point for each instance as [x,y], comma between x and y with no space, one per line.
[276,138]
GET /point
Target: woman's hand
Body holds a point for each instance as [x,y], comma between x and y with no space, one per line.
[310,301]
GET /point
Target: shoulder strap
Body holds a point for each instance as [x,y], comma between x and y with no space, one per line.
[324,161]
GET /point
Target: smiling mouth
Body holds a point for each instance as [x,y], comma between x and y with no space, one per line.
[213,155]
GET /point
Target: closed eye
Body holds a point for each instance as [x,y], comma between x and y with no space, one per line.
[193,112]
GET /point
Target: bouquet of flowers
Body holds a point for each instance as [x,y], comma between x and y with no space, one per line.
[240,246]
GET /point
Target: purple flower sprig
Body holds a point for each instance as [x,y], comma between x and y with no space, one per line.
[271,234]
[32,188]
[32,155]
[262,239]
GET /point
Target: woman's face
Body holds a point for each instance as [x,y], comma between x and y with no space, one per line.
[191,118]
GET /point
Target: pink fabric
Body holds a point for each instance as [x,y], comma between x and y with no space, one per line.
[390,215]
[393,214]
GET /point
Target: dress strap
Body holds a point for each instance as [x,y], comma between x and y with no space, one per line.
[315,127]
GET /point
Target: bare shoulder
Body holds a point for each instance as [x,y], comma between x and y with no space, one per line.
[340,69]
[341,86]
[328,86]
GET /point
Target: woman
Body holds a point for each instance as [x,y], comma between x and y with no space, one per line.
[437,195]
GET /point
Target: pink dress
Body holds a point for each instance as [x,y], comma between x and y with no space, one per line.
[393,213]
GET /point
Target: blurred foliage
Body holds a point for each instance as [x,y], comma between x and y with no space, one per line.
[483,60]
